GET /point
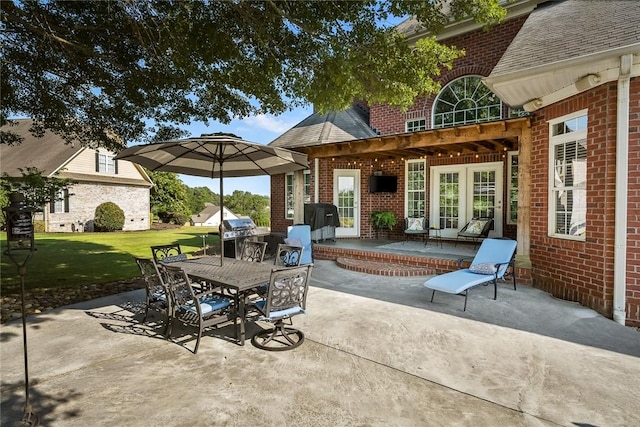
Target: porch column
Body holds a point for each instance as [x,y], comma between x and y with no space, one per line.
[298,197]
[524,195]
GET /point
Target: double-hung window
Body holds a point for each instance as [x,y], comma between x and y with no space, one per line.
[415,187]
[60,203]
[568,176]
[289,192]
[105,163]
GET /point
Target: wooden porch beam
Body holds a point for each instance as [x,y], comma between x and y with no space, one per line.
[425,139]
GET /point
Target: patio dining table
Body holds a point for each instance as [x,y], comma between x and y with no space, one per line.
[236,275]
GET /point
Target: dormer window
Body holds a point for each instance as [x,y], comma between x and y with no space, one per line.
[105,163]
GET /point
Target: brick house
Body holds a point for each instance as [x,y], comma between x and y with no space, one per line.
[99,178]
[537,126]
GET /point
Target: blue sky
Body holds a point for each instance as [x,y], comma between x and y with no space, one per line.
[261,129]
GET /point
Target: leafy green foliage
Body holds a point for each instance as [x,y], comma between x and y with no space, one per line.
[198,196]
[244,203]
[38,190]
[383,219]
[108,217]
[118,65]
[169,197]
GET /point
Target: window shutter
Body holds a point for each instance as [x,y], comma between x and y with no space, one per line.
[97,162]
[115,166]
[52,202]
[66,200]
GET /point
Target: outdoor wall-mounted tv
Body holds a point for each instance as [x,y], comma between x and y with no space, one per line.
[383,184]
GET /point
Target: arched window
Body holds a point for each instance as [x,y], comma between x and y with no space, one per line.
[465,100]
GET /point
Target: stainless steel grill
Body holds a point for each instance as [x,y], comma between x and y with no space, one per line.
[236,231]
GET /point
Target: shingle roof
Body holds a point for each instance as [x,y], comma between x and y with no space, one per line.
[209,211]
[47,153]
[347,125]
[562,31]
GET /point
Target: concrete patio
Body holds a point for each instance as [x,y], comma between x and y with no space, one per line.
[377,352]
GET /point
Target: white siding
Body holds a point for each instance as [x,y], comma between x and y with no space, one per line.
[85,163]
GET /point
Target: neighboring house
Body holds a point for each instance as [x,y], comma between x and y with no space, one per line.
[99,178]
[537,126]
[210,216]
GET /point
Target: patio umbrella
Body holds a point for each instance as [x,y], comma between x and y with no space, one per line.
[218,155]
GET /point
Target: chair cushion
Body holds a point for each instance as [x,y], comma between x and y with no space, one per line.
[483,268]
[415,224]
[456,282]
[209,304]
[279,314]
[174,258]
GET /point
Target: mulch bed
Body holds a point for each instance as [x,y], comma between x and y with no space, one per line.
[46,299]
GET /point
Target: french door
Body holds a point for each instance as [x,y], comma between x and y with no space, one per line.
[346,197]
[462,192]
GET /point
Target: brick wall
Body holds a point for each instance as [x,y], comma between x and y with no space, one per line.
[483,50]
[583,271]
[134,201]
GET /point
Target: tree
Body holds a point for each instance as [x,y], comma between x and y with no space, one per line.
[38,190]
[198,196]
[168,197]
[245,203]
[119,64]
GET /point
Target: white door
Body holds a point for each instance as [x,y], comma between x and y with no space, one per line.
[346,196]
[462,192]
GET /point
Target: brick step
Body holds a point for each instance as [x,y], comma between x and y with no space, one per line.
[383,268]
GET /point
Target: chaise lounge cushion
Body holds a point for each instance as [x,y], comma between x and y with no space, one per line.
[457,282]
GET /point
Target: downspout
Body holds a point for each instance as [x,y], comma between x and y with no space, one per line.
[622,172]
[316,178]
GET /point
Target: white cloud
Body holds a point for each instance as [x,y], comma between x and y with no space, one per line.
[269,123]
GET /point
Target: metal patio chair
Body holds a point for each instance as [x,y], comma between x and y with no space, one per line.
[197,310]
[158,298]
[287,297]
[168,253]
[253,251]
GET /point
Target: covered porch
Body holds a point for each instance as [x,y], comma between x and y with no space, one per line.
[405,259]
[465,151]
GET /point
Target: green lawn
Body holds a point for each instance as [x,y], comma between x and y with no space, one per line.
[74,259]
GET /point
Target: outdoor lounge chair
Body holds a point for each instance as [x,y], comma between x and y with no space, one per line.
[286,298]
[477,228]
[491,263]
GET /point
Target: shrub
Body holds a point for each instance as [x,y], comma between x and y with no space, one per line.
[108,217]
[38,226]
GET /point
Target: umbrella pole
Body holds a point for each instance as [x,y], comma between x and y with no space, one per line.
[221,227]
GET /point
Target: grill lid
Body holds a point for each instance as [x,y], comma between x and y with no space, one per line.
[239,224]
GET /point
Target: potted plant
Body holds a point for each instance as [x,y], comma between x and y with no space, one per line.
[382,220]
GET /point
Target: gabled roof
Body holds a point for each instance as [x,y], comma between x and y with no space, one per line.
[47,153]
[353,123]
[51,154]
[563,42]
[208,211]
